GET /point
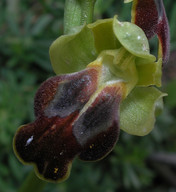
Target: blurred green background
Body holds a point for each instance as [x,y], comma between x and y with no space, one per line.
[27,29]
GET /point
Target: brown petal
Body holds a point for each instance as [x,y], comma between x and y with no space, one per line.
[150,15]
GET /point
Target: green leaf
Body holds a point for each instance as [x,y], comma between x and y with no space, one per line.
[133,39]
[41,24]
[137,112]
[71,53]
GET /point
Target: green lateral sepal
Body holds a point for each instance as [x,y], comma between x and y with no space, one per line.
[138,110]
[71,53]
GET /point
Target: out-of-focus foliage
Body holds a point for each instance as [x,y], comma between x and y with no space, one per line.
[27,28]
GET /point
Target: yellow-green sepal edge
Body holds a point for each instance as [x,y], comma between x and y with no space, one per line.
[138,110]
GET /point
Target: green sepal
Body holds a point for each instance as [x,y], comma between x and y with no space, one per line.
[116,43]
[149,73]
[104,35]
[71,53]
[133,39]
[138,110]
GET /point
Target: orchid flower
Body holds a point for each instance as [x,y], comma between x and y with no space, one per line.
[106,81]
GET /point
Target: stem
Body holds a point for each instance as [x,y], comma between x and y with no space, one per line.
[77,12]
[32,183]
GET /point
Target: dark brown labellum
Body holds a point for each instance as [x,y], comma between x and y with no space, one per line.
[73,117]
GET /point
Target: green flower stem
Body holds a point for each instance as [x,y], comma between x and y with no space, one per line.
[77,12]
[32,183]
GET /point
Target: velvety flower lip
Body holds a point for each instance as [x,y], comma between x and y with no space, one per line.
[150,15]
[74,117]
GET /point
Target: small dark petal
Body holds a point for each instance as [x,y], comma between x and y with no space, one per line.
[97,129]
[146,16]
[150,15]
[164,36]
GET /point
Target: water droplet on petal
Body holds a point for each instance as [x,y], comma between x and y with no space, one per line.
[128,34]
